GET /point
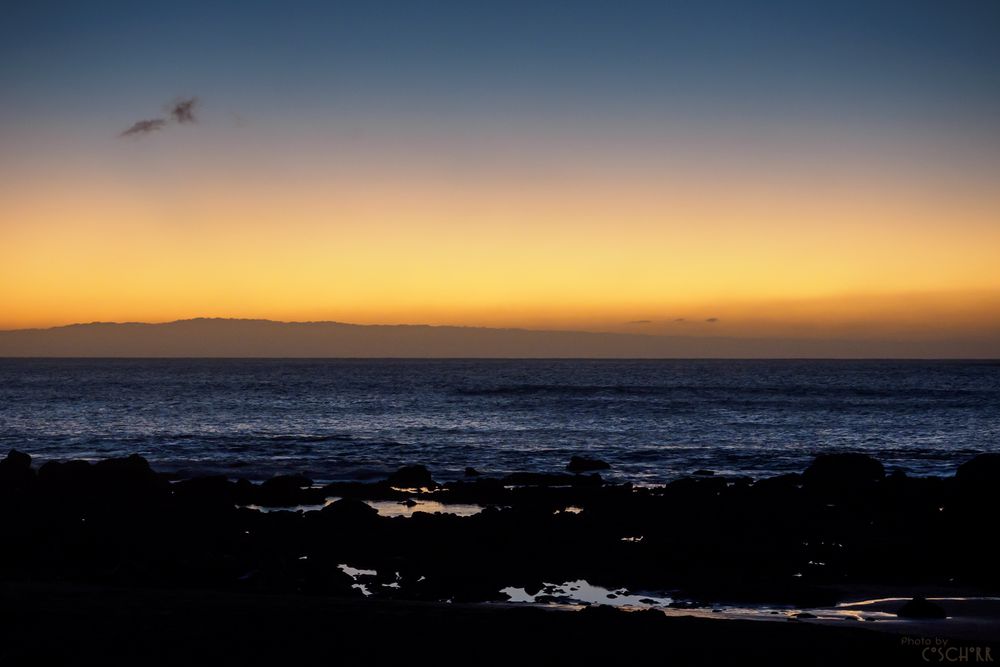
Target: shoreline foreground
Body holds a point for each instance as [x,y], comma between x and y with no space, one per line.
[123,564]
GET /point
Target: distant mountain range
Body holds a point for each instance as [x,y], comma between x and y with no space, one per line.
[264,338]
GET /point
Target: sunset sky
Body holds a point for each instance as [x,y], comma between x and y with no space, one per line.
[708,168]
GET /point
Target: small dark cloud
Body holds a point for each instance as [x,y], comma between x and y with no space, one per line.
[182,111]
[712,319]
[144,127]
[640,322]
[679,319]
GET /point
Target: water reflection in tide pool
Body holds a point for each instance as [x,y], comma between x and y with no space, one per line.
[582,592]
[396,508]
[388,508]
[968,617]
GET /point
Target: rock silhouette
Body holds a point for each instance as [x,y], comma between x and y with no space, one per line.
[982,469]
[842,470]
[787,539]
[15,472]
[920,607]
[414,476]
[583,464]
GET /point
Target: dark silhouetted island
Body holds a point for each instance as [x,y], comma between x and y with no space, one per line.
[212,337]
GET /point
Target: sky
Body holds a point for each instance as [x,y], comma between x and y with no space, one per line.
[792,169]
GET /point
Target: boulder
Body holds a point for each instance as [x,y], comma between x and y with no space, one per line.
[534,587]
[583,464]
[411,477]
[132,468]
[920,607]
[983,468]
[842,470]
[208,489]
[349,510]
[60,474]
[783,487]
[603,613]
[283,490]
[551,479]
[112,480]
[15,471]
[16,459]
[129,477]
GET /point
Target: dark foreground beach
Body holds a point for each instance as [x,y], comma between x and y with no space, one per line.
[113,563]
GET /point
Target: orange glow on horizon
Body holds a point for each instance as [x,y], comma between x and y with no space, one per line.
[780,251]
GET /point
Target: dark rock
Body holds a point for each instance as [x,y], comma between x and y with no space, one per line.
[209,489]
[16,459]
[64,473]
[283,490]
[288,481]
[480,490]
[244,492]
[411,477]
[349,510]
[782,487]
[15,472]
[316,577]
[707,538]
[538,479]
[110,480]
[471,472]
[983,468]
[550,479]
[129,474]
[129,467]
[583,464]
[534,588]
[920,607]
[603,612]
[842,470]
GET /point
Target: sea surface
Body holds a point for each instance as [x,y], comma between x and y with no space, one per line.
[357,419]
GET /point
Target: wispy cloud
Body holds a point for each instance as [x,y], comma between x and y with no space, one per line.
[712,319]
[640,322]
[144,127]
[181,112]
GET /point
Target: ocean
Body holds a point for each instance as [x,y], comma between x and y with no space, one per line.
[653,421]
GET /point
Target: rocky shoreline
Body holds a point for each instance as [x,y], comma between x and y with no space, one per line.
[799,539]
[793,539]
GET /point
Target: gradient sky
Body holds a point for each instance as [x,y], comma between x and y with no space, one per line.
[730,168]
